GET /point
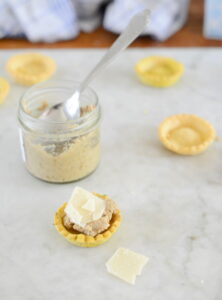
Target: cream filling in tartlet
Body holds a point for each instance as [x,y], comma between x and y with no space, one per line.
[94,227]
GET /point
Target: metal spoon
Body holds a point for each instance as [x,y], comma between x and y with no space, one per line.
[70,108]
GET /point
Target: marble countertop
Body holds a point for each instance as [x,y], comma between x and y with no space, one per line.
[171,205]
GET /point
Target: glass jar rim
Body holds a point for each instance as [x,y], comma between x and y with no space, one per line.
[83,120]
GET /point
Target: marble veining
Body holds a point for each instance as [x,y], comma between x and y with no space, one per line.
[171,205]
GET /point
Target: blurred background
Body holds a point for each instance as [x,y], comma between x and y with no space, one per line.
[96,23]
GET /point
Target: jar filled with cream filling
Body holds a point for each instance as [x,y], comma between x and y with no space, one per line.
[59,151]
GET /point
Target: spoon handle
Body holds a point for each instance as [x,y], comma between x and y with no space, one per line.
[132,31]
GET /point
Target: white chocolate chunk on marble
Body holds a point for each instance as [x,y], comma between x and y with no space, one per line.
[126,264]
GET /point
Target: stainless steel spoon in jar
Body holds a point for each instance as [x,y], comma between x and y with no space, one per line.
[70,108]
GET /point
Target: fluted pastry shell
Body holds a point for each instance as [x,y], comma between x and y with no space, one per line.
[158,71]
[186,134]
[4,89]
[30,68]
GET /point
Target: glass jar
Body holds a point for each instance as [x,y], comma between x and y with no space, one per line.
[59,151]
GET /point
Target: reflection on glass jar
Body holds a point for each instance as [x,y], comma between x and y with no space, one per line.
[59,151]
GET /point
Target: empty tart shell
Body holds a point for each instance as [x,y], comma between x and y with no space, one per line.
[83,240]
[186,134]
[4,89]
[30,68]
[158,71]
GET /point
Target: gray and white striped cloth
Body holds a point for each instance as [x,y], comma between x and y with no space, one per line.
[53,20]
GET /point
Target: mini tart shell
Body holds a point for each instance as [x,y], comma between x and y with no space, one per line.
[83,240]
[30,68]
[158,71]
[4,89]
[175,131]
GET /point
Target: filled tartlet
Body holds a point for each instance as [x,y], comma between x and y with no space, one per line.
[88,219]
